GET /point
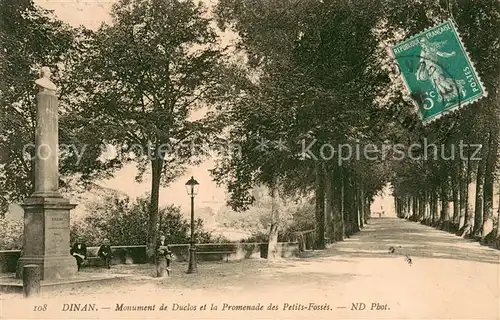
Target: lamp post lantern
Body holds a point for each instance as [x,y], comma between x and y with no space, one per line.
[192,190]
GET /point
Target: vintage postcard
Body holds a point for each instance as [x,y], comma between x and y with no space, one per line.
[249,159]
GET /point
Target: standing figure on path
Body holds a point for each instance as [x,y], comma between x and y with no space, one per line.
[105,253]
[163,256]
[79,251]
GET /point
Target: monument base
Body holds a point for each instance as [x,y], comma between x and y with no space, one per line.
[51,268]
[46,237]
[50,196]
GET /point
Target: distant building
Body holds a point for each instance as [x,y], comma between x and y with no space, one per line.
[384,203]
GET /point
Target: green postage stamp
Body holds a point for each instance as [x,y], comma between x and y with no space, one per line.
[438,72]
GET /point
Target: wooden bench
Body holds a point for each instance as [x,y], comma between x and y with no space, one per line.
[93,262]
[226,253]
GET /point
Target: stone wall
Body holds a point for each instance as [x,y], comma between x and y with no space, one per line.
[137,254]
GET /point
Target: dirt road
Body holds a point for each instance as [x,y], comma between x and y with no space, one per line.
[448,278]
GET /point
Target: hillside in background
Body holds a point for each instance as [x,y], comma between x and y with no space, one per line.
[82,196]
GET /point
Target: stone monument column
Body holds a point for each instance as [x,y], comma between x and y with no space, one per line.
[46,212]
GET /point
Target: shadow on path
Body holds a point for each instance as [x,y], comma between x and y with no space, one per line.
[363,261]
[408,238]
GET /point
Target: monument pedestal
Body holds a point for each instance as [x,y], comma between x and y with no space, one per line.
[47,236]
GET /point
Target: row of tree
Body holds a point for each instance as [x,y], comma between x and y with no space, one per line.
[424,189]
[324,74]
[313,90]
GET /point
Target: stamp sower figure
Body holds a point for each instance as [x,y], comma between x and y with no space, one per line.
[163,256]
[430,70]
[79,251]
[105,253]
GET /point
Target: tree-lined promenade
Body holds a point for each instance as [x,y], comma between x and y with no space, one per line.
[297,71]
[358,270]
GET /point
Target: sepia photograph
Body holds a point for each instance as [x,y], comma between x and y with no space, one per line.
[250,159]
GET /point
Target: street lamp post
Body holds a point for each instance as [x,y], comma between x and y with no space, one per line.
[192,190]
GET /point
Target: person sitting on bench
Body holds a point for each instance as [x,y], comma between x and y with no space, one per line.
[163,251]
[105,253]
[79,251]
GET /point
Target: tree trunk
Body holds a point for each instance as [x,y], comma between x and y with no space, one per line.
[424,204]
[401,204]
[338,217]
[478,209]
[342,202]
[156,168]
[355,192]
[347,204]
[445,213]
[463,186]
[272,246]
[468,176]
[354,205]
[359,204]
[414,212]
[498,216]
[413,207]
[396,206]
[401,207]
[409,206]
[456,199]
[427,204]
[329,204]
[434,207]
[367,210]
[421,206]
[320,207]
[487,225]
[160,221]
[468,221]
[353,214]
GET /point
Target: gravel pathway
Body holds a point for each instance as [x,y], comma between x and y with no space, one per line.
[448,278]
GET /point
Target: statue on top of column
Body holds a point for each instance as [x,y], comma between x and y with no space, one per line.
[44,82]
